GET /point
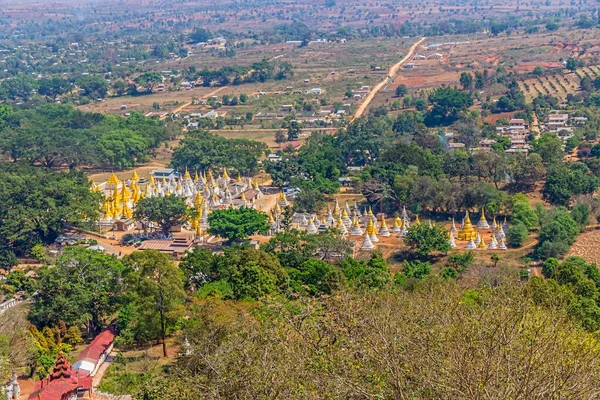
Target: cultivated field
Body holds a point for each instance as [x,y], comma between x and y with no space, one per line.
[587,247]
[558,85]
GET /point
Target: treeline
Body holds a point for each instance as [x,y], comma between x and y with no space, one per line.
[200,151]
[236,75]
[56,136]
[36,205]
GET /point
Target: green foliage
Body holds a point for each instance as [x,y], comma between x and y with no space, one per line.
[200,35]
[416,269]
[167,211]
[237,224]
[94,86]
[574,284]
[148,79]
[516,235]
[80,290]
[581,214]
[309,200]
[461,261]
[559,231]
[318,276]
[201,151]
[523,213]
[371,275]
[401,90]
[316,166]
[55,136]
[19,281]
[423,239]
[253,273]
[466,80]
[36,205]
[447,103]
[549,147]
[154,290]
[448,273]
[565,181]
[199,266]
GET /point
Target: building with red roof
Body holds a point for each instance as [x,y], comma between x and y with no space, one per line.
[68,383]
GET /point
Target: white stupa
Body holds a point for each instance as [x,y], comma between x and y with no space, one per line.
[502,245]
[453,228]
[397,226]
[355,229]
[384,231]
[367,244]
[451,241]
[471,245]
[341,226]
[483,224]
[311,228]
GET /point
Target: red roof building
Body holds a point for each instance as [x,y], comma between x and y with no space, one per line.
[62,383]
[66,382]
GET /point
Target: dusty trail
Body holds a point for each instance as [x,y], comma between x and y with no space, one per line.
[392,72]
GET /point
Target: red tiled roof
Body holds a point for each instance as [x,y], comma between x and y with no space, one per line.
[59,389]
[63,381]
[98,346]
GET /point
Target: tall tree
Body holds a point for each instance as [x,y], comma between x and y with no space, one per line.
[155,285]
[168,211]
[81,289]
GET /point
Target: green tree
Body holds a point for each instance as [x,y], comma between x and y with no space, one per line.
[148,79]
[572,64]
[423,239]
[167,211]
[538,70]
[466,80]
[253,273]
[310,200]
[448,104]
[93,86]
[155,288]
[199,266]
[200,35]
[581,214]
[401,90]
[201,150]
[416,269]
[237,224]
[522,212]
[53,87]
[83,288]
[517,233]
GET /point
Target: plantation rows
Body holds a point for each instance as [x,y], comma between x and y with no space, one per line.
[559,85]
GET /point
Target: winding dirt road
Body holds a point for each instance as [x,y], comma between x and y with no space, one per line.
[391,74]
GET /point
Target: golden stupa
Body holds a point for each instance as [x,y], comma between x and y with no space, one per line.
[467,232]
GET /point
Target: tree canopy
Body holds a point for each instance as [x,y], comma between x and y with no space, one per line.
[237,223]
[55,136]
[201,151]
[167,211]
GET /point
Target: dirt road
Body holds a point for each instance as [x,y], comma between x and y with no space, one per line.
[392,72]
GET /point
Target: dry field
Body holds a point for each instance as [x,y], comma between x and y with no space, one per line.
[587,247]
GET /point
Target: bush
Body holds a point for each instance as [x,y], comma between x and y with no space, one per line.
[517,234]
[449,273]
